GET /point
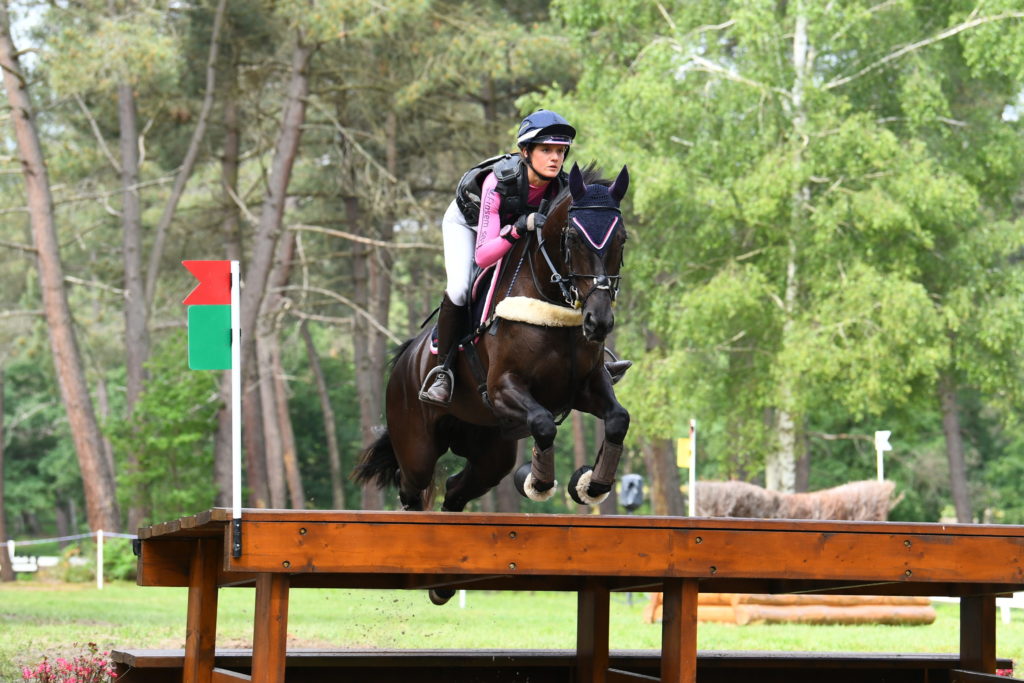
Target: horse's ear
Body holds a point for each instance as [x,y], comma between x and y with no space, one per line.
[621,184]
[577,187]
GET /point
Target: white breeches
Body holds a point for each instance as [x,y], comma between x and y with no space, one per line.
[459,253]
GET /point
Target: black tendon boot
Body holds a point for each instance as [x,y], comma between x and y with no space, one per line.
[439,384]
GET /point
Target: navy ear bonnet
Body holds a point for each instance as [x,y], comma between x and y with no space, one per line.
[594,211]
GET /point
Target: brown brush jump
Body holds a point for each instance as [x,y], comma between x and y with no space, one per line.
[591,555]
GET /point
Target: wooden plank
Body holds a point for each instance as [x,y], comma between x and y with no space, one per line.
[620,676]
[679,632]
[392,547]
[217,517]
[978,633]
[225,676]
[201,618]
[270,628]
[592,620]
[961,676]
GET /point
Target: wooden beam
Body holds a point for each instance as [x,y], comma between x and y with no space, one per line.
[201,618]
[269,641]
[978,633]
[961,676]
[619,676]
[592,619]
[679,631]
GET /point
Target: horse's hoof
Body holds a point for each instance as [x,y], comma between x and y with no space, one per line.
[440,596]
[580,488]
[528,488]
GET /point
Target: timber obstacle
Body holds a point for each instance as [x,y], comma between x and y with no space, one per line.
[591,555]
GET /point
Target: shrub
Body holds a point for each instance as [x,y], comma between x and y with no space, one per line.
[89,666]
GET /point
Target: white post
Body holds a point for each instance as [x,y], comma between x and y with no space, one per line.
[10,549]
[99,559]
[462,599]
[881,446]
[693,469]
[236,396]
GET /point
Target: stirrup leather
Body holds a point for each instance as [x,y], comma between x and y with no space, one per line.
[428,383]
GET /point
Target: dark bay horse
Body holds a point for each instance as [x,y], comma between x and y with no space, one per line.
[557,288]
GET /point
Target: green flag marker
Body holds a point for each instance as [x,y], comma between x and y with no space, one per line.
[209,337]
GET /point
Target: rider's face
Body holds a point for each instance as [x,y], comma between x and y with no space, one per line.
[547,160]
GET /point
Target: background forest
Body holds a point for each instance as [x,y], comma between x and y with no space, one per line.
[825,218]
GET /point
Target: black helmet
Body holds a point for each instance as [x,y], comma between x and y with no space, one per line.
[545,127]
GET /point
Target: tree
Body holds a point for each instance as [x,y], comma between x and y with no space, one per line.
[800,187]
[101,502]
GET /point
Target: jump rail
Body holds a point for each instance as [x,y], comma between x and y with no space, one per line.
[591,555]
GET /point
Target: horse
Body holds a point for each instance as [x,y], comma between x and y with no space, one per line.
[555,291]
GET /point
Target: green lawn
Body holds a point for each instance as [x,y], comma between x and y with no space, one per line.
[39,618]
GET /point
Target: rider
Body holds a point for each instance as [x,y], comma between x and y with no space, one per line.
[510,190]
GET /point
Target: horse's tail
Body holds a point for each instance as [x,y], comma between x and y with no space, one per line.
[378,463]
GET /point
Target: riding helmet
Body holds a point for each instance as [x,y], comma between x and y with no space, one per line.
[545,127]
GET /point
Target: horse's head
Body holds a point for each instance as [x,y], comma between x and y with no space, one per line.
[592,249]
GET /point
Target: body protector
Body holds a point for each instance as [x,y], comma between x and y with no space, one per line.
[513,186]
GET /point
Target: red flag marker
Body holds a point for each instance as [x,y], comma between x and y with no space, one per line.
[214,288]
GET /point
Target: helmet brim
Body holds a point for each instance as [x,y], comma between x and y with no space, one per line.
[557,134]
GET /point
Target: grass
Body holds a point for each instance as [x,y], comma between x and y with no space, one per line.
[38,618]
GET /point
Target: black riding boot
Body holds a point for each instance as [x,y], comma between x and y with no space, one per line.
[439,384]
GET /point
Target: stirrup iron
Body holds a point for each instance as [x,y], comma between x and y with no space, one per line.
[429,382]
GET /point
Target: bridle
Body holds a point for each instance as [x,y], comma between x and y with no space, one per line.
[567,283]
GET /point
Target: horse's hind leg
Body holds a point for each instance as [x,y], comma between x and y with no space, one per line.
[488,459]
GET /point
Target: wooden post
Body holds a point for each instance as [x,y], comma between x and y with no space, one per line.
[679,631]
[592,633]
[978,633]
[201,629]
[269,640]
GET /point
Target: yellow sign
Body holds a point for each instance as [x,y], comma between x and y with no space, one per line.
[683,453]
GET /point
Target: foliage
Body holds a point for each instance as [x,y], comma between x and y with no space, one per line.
[811,237]
[826,241]
[171,435]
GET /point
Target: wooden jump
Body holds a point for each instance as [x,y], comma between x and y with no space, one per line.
[591,555]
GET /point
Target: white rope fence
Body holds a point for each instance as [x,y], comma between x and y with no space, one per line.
[100,534]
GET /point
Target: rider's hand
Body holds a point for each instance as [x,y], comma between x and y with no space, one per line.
[533,221]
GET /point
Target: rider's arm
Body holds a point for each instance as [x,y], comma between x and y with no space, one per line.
[490,245]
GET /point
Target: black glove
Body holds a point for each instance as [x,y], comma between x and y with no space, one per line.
[533,221]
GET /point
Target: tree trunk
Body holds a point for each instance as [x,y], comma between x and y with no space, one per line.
[232,236]
[780,470]
[610,505]
[6,570]
[136,325]
[579,450]
[333,454]
[666,498]
[268,232]
[282,464]
[97,479]
[366,387]
[508,498]
[955,448]
[289,453]
[273,450]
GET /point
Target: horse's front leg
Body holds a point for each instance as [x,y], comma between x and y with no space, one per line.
[590,487]
[514,404]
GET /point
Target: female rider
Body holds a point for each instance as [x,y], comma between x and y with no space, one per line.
[510,190]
